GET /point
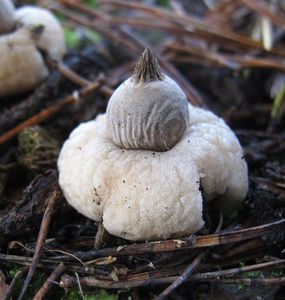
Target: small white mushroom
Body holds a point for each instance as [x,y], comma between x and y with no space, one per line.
[7,16]
[50,37]
[142,194]
[21,60]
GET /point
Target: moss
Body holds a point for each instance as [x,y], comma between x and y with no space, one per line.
[92,3]
[72,37]
[102,295]
[73,294]
[37,281]
[37,149]
[164,3]
[13,271]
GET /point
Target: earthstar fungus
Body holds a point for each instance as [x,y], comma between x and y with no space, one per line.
[26,33]
[140,167]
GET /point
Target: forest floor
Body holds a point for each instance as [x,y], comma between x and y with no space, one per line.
[221,62]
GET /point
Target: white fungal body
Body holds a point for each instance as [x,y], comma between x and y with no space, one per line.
[21,60]
[51,39]
[148,195]
[141,168]
[22,65]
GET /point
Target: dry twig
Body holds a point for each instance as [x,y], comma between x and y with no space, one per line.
[48,283]
[146,279]
[184,276]
[129,38]
[12,287]
[263,9]
[52,110]
[53,198]
[178,245]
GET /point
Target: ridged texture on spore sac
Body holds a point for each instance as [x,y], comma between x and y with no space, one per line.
[151,116]
[149,110]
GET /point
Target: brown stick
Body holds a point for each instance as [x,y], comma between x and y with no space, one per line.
[150,278]
[191,93]
[183,277]
[71,75]
[174,245]
[165,273]
[13,284]
[251,281]
[48,283]
[207,275]
[50,265]
[232,61]
[190,269]
[53,198]
[80,19]
[197,23]
[263,9]
[247,247]
[69,281]
[221,14]
[52,110]
[66,71]
[17,259]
